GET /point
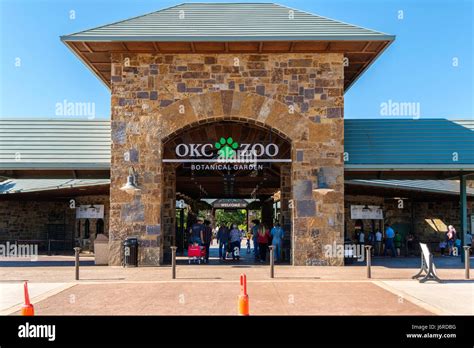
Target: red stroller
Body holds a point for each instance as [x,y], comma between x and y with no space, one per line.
[196,253]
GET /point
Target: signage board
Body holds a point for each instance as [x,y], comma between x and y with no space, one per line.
[96,211]
[227,150]
[371,212]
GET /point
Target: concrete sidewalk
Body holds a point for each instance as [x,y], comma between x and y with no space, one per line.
[213,290]
[210,298]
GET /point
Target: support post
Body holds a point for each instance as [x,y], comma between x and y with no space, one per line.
[173,262]
[467,261]
[463,206]
[76,262]
[368,256]
[272,262]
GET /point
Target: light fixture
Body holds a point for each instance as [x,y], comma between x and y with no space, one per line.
[366,208]
[131,185]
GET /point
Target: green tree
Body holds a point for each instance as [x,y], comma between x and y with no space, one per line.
[227,217]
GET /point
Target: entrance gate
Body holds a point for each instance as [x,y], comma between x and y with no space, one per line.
[225,160]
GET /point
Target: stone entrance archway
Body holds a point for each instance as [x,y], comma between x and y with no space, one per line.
[316,172]
[192,168]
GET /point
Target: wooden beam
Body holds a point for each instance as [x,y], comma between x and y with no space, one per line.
[366,46]
[87,47]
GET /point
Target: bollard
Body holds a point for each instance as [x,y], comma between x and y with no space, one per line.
[272,262]
[173,262]
[27,309]
[368,255]
[466,261]
[243,303]
[76,263]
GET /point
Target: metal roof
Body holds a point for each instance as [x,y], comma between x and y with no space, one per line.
[435,186]
[54,144]
[12,186]
[403,143]
[227,22]
[378,144]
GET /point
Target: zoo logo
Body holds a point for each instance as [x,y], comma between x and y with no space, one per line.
[226,147]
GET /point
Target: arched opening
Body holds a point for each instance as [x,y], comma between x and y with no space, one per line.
[226,166]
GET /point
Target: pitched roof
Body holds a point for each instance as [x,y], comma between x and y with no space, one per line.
[425,144]
[251,28]
[54,144]
[227,21]
[417,144]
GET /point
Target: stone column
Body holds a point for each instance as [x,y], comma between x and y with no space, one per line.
[285,196]
[168,210]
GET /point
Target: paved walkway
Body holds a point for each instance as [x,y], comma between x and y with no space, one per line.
[213,289]
[210,298]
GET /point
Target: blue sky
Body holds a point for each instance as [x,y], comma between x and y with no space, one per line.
[417,68]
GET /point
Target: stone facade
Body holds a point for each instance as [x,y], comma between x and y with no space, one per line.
[29,220]
[300,96]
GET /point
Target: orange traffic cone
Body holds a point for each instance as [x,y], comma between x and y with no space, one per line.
[243,297]
[27,308]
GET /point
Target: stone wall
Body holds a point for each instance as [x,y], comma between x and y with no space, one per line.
[29,220]
[298,95]
[430,219]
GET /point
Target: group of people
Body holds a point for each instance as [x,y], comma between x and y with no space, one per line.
[452,243]
[229,239]
[263,236]
[393,241]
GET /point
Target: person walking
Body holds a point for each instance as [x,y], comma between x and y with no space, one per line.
[206,237]
[371,241]
[248,235]
[389,235]
[378,242]
[262,240]
[277,234]
[361,239]
[255,228]
[235,238]
[397,240]
[223,240]
[451,239]
[196,232]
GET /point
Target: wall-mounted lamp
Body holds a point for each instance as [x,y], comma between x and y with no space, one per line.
[366,208]
[322,186]
[131,185]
